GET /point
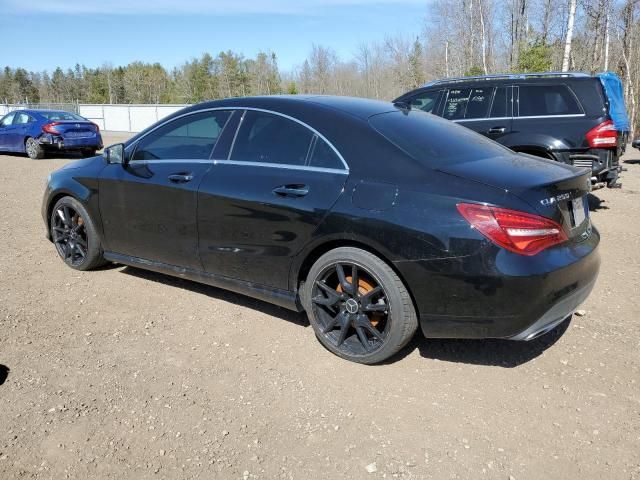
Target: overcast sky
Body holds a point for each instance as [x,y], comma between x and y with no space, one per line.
[42,34]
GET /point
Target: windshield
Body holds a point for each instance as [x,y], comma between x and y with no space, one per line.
[62,116]
[434,141]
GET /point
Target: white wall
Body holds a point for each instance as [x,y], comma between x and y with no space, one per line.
[126,118]
[118,118]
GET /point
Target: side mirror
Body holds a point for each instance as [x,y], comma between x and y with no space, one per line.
[116,154]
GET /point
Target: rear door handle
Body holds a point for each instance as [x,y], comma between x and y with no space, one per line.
[296,190]
[180,177]
[497,130]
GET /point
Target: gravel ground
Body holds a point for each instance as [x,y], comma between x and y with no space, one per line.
[121,374]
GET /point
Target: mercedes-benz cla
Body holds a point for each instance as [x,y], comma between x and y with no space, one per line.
[372,218]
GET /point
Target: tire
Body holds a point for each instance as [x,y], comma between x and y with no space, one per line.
[367,324]
[74,235]
[89,152]
[34,149]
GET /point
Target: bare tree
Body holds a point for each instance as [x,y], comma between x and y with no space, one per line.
[567,44]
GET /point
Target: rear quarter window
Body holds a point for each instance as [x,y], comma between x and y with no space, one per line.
[433,141]
[547,100]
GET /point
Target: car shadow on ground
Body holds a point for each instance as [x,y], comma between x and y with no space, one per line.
[49,156]
[489,352]
[596,203]
[4,373]
[633,161]
[501,353]
[220,294]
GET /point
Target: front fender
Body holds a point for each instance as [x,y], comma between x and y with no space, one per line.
[78,180]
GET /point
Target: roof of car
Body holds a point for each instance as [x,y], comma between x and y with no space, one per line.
[362,108]
[511,77]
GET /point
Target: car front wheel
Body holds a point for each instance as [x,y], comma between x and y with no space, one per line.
[74,235]
[358,306]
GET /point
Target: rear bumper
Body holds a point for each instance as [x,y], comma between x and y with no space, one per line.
[603,162]
[59,142]
[556,314]
[496,294]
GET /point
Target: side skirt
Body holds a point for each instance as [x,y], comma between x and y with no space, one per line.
[282,298]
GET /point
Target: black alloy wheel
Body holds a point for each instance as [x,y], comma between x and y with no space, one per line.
[352,308]
[358,306]
[69,235]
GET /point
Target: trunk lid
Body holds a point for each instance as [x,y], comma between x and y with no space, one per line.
[554,190]
[75,129]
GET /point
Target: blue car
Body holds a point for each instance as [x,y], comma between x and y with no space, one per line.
[36,132]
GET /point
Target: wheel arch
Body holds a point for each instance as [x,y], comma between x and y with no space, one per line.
[24,142]
[303,266]
[53,199]
[535,150]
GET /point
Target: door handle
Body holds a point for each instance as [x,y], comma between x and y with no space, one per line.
[296,190]
[497,130]
[180,177]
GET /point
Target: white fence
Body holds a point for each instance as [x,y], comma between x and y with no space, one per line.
[117,118]
[126,118]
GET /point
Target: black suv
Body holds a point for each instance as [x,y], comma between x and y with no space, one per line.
[566,117]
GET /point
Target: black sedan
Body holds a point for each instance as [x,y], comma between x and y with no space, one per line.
[370,217]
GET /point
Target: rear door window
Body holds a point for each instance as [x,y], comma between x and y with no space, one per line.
[547,100]
[22,119]
[479,102]
[268,138]
[499,107]
[323,156]
[426,101]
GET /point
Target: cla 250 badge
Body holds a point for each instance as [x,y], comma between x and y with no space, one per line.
[547,202]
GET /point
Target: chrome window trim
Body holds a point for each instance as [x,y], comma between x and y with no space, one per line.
[566,115]
[167,162]
[518,118]
[480,119]
[283,165]
[296,167]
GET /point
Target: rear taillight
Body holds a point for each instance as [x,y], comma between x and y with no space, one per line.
[518,232]
[603,135]
[51,128]
[96,125]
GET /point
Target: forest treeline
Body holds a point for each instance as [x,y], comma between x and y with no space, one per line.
[459,37]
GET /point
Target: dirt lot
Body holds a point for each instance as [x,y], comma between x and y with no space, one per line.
[121,374]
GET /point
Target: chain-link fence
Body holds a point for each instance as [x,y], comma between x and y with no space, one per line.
[67,107]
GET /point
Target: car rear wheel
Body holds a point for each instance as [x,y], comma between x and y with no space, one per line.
[33,149]
[358,306]
[74,235]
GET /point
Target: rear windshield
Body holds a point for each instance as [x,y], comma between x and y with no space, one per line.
[61,116]
[434,141]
